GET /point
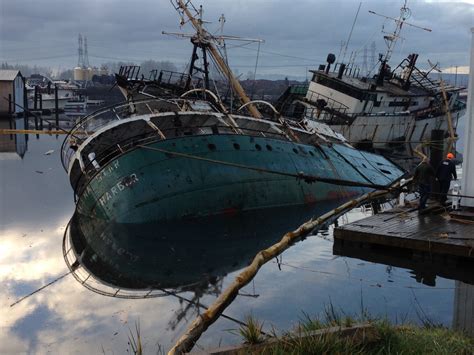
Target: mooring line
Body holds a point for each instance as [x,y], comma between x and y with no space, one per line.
[41,288]
[305,177]
[328,273]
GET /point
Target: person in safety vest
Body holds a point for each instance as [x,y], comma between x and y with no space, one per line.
[444,174]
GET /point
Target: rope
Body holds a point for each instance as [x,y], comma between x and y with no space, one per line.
[43,287]
[453,195]
[305,177]
[376,283]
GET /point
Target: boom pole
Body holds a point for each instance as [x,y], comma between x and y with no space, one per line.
[201,34]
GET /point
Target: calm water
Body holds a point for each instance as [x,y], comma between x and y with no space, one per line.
[36,205]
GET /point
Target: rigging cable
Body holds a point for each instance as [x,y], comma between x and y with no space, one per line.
[301,175]
[255,72]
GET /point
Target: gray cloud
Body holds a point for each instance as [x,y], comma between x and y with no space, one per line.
[45,32]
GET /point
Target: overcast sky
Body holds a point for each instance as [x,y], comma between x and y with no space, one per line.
[298,34]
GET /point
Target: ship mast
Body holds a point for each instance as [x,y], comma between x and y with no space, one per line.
[207,41]
[392,38]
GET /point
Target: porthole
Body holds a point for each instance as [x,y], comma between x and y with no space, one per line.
[211,146]
[295,150]
[236,146]
[269,147]
[258,147]
[311,153]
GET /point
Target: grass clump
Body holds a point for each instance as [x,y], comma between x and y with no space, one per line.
[135,341]
[251,332]
[411,339]
[383,339]
[380,337]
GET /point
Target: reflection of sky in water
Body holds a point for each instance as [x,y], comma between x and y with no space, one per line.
[66,317]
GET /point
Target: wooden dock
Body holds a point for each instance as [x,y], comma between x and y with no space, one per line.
[433,232]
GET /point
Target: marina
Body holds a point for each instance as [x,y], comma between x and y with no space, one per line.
[174,211]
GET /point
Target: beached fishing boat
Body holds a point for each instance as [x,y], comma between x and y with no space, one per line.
[164,159]
[158,159]
[393,107]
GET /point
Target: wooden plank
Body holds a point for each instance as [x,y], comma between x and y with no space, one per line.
[428,233]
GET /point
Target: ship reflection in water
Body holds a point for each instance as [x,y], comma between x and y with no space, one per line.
[68,318]
[145,260]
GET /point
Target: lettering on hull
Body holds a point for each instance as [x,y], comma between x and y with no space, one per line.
[119,187]
[107,170]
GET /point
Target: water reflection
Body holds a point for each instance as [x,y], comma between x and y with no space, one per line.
[13,146]
[192,255]
[36,204]
[424,268]
[463,318]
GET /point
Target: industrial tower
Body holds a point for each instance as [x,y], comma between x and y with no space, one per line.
[80,61]
[83,71]
[83,59]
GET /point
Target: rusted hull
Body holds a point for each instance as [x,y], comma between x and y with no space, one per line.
[144,185]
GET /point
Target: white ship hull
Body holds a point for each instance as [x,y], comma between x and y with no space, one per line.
[49,104]
[383,131]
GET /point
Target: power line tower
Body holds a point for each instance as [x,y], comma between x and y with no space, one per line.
[365,70]
[86,54]
[80,52]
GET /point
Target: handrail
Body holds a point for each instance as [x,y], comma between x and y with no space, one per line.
[98,119]
[260,102]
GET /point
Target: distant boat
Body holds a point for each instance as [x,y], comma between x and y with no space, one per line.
[68,97]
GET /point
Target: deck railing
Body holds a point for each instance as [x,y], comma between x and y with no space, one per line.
[117,149]
[89,124]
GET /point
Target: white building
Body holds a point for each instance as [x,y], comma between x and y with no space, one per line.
[12,86]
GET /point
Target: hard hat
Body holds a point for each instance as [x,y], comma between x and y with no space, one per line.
[450,156]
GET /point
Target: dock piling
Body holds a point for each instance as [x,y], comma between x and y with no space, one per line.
[25,106]
[56,105]
[436,153]
[35,99]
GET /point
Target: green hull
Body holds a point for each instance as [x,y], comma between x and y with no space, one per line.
[180,255]
[144,185]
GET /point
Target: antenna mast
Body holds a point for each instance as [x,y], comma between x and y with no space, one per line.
[392,38]
[207,40]
[350,33]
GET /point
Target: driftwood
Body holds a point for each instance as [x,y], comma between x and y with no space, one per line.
[200,324]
